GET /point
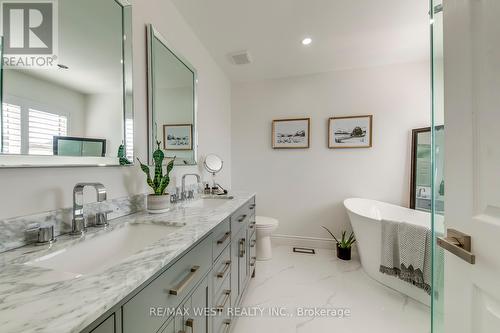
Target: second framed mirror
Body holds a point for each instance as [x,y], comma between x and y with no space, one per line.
[172,101]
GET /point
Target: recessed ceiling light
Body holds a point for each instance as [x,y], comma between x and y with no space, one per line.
[307,41]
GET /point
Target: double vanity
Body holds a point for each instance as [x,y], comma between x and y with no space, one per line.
[181,271]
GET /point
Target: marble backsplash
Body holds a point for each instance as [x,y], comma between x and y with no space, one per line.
[12,230]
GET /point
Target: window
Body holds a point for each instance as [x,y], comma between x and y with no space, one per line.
[129,138]
[11,129]
[43,126]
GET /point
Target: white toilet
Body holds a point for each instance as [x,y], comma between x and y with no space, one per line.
[265,227]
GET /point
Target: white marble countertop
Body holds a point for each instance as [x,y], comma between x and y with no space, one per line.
[31,300]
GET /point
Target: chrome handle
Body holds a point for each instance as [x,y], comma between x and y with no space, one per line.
[101,219]
[221,307]
[221,275]
[190,324]
[223,239]
[40,234]
[185,282]
[79,226]
[174,198]
[242,248]
[253,243]
[459,244]
[252,207]
[252,225]
[227,323]
[242,218]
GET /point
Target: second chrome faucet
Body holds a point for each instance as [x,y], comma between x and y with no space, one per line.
[79,222]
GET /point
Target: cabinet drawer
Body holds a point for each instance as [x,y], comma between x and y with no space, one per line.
[221,238]
[222,302]
[253,252]
[242,216]
[168,290]
[222,297]
[252,225]
[222,269]
[222,325]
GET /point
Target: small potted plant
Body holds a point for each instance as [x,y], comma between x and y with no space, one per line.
[344,246]
[159,201]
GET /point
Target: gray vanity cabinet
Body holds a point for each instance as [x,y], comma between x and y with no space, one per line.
[200,301]
[213,274]
[243,228]
[107,326]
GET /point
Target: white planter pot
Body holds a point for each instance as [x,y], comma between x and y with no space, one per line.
[157,204]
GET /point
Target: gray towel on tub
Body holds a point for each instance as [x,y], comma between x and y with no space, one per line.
[406,253]
[390,248]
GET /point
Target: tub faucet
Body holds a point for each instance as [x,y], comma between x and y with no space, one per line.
[78,224]
[184,195]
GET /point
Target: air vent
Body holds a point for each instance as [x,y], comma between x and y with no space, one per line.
[240,58]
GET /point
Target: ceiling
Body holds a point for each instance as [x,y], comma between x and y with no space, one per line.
[346,34]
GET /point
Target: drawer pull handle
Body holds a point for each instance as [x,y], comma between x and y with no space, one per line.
[223,239]
[253,243]
[185,282]
[252,206]
[221,307]
[221,275]
[254,261]
[252,225]
[242,248]
[227,323]
[242,218]
[190,323]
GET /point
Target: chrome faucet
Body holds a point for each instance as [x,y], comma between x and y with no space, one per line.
[79,225]
[184,195]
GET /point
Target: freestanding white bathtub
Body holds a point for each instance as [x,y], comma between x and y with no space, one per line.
[366,216]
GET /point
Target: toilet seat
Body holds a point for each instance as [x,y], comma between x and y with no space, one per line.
[264,222]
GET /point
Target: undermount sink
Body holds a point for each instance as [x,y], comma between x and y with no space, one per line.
[103,251]
[208,202]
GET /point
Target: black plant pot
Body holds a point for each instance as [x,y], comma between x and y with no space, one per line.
[343,254]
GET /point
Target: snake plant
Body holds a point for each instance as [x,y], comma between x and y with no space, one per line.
[122,155]
[345,242]
[160,182]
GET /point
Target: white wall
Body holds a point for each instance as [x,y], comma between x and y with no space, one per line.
[26,191]
[22,89]
[305,189]
[105,112]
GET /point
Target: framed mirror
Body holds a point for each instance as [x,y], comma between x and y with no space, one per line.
[79,110]
[172,101]
[421,170]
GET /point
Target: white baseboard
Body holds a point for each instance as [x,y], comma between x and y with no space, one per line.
[307,242]
[299,241]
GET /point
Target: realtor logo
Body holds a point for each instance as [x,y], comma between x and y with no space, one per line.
[29,33]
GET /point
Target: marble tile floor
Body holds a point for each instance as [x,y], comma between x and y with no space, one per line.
[291,282]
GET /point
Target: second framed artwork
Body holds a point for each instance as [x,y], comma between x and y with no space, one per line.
[350,132]
[291,133]
[178,137]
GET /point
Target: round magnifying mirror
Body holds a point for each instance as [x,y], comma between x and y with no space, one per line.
[213,163]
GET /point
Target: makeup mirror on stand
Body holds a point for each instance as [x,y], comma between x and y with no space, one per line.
[214,164]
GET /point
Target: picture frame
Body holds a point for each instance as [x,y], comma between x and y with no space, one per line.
[350,132]
[178,137]
[294,133]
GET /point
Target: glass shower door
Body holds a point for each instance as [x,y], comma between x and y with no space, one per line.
[438,179]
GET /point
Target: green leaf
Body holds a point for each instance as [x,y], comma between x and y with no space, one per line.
[146,170]
[331,234]
[158,157]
